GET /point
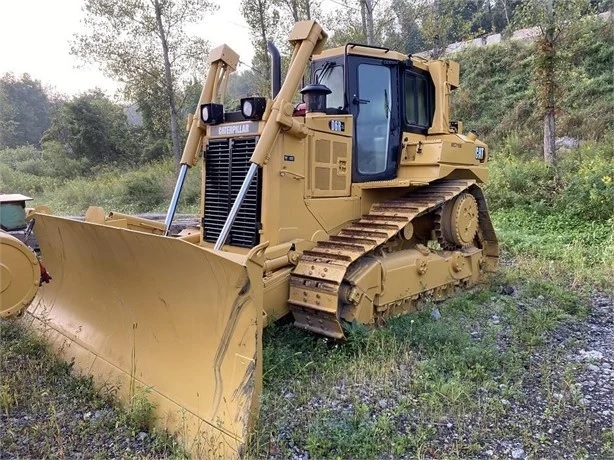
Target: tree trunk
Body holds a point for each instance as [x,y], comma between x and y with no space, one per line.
[507,18]
[262,13]
[295,12]
[366,12]
[168,83]
[549,137]
[549,87]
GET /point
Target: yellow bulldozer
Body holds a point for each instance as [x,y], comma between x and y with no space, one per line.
[348,208]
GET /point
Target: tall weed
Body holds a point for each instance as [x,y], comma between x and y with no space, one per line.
[144,189]
[587,176]
[518,182]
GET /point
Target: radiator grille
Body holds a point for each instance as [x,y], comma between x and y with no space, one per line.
[226,165]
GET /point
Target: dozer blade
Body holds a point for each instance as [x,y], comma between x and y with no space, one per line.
[141,311]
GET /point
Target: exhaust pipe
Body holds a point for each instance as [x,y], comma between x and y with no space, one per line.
[275,69]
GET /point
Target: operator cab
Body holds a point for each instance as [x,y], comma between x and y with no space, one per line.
[368,82]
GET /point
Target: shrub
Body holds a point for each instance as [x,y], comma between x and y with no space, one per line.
[190,196]
[16,157]
[59,164]
[143,191]
[12,181]
[517,182]
[588,181]
[75,196]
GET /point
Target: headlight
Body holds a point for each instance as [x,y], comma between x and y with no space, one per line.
[248,108]
[253,108]
[212,114]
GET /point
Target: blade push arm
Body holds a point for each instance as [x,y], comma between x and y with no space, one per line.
[223,60]
[307,38]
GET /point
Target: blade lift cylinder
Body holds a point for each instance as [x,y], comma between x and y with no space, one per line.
[175,199]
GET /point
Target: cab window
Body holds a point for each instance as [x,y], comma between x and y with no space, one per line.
[331,75]
[418,101]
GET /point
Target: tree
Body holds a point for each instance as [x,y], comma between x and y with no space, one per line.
[554,20]
[25,110]
[359,23]
[407,36]
[263,19]
[92,127]
[143,44]
[298,10]
[366,14]
[444,22]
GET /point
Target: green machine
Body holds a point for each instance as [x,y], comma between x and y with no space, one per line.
[13,211]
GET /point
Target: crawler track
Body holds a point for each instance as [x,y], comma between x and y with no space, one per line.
[317,279]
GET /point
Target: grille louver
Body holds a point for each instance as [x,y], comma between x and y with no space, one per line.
[226,164]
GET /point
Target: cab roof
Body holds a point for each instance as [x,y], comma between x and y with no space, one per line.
[371,51]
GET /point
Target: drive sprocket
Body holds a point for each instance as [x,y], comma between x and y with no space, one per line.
[457,222]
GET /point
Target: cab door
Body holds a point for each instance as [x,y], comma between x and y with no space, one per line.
[374,101]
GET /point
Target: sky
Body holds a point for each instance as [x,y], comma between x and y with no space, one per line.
[35,38]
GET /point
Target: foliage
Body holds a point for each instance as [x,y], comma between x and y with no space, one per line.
[24,170]
[298,10]
[495,73]
[143,44]
[407,36]
[520,182]
[347,25]
[92,127]
[580,187]
[242,85]
[145,191]
[441,25]
[417,25]
[554,20]
[70,186]
[587,180]
[25,111]
[262,17]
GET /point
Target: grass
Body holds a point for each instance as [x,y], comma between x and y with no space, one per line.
[397,390]
[556,246]
[420,387]
[123,189]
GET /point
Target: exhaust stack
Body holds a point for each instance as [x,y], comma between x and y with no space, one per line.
[275,69]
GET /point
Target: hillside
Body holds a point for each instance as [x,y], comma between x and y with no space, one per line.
[499,89]
[519,367]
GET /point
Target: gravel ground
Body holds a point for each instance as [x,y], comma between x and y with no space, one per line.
[571,415]
[563,407]
[559,405]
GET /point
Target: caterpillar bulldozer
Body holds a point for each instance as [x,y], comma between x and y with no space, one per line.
[348,208]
